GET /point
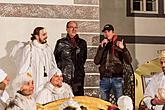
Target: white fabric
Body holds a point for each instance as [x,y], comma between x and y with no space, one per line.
[20,80]
[38,55]
[125,103]
[23,103]
[2,105]
[4,96]
[54,71]
[3,75]
[157,81]
[71,103]
[51,93]
[17,53]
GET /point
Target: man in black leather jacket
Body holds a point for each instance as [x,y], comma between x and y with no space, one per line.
[70,54]
[111,55]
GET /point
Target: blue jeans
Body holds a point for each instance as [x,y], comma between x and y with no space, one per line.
[114,83]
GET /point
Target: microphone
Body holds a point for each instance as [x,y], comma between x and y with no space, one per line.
[104,42]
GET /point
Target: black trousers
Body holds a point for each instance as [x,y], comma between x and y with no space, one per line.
[78,89]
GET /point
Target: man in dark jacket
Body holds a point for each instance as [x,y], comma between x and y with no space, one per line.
[70,54]
[111,55]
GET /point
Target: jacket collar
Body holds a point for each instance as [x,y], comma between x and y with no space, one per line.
[76,37]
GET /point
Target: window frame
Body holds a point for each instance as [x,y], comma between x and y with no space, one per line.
[159,12]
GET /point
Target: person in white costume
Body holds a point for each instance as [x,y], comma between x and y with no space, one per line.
[54,89]
[37,56]
[24,87]
[156,99]
[4,82]
[125,103]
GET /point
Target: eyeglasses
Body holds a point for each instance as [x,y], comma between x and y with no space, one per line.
[73,27]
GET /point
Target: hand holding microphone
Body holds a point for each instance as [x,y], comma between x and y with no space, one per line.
[104,42]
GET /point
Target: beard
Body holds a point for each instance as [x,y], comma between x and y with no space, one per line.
[43,41]
[163,69]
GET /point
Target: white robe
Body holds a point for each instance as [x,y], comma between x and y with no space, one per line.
[3,99]
[157,81]
[21,102]
[39,56]
[51,93]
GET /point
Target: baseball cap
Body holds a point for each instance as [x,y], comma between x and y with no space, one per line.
[108,27]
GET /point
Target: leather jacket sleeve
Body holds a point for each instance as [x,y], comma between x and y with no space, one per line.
[85,52]
[57,52]
[99,55]
[127,56]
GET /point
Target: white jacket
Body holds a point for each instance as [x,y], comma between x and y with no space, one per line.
[3,99]
[21,102]
[157,81]
[50,93]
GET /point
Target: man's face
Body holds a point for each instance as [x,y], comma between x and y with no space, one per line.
[28,88]
[162,62]
[72,29]
[57,80]
[42,37]
[108,34]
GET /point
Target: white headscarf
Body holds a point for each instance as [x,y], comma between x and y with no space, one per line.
[125,103]
[3,75]
[54,71]
[20,80]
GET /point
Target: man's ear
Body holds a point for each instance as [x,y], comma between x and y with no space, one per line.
[66,29]
[36,36]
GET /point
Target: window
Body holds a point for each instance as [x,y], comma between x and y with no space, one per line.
[151,5]
[146,8]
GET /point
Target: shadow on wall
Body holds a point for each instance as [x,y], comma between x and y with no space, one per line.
[7,64]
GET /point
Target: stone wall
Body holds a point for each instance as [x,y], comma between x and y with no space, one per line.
[18,18]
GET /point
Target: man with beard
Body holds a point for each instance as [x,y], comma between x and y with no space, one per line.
[37,57]
[4,81]
[155,91]
[54,89]
[71,53]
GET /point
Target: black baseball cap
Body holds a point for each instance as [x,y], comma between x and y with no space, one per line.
[108,27]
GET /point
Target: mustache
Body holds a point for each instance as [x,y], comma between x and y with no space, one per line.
[45,38]
[43,42]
